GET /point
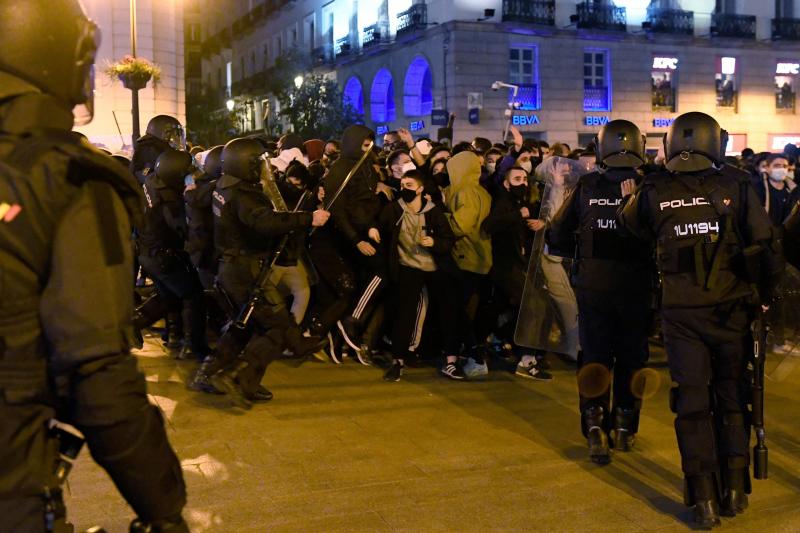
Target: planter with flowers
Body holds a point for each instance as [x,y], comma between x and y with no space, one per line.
[133,72]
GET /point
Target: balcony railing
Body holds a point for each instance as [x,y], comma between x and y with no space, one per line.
[675,21]
[342,47]
[595,99]
[731,25]
[530,11]
[371,36]
[785,29]
[600,16]
[322,55]
[412,19]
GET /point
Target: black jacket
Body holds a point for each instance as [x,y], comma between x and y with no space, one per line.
[200,221]
[511,238]
[357,207]
[164,218]
[145,153]
[436,226]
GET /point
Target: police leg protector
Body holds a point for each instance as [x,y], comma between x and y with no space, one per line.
[173,331]
[151,310]
[200,381]
[625,425]
[597,439]
[226,381]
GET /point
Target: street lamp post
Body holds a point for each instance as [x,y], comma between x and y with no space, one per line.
[134,90]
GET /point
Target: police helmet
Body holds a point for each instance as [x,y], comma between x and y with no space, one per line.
[172,166]
[620,143]
[694,142]
[167,129]
[213,162]
[56,54]
[242,158]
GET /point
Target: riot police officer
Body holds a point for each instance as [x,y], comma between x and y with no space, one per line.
[246,230]
[709,227]
[66,301]
[612,286]
[200,241]
[161,242]
[163,132]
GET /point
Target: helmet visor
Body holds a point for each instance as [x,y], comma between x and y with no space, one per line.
[83,111]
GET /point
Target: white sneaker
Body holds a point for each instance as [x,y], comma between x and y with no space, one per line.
[474,370]
[784,348]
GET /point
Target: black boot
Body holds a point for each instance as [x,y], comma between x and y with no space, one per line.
[174,340]
[302,346]
[225,381]
[260,395]
[596,436]
[200,381]
[625,428]
[706,508]
[735,499]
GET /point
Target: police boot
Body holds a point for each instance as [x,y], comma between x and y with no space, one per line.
[596,436]
[302,346]
[706,508]
[624,428]
[734,500]
[173,340]
[225,381]
[200,381]
[162,526]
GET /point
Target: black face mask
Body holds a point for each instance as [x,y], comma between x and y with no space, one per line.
[441,179]
[407,195]
[520,192]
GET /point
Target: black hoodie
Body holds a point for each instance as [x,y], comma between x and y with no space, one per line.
[357,207]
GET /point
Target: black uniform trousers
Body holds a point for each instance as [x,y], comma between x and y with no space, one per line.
[708,349]
[174,276]
[613,333]
[271,328]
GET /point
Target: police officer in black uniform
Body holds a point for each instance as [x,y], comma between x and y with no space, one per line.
[613,287]
[713,241]
[66,298]
[161,243]
[163,132]
[200,220]
[246,231]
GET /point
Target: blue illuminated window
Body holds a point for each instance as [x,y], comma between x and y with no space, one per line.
[381,97]
[596,80]
[523,67]
[417,94]
[354,95]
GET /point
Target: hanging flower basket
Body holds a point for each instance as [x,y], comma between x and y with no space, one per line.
[133,72]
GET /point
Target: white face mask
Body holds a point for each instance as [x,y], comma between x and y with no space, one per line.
[527,166]
[778,174]
[490,167]
[407,167]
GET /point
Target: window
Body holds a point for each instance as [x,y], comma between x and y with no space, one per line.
[596,81]
[417,94]
[381,97]
[252,61]
[725,83]
[242,72]
[524,72]
[264,56]
[785,86]
[353,95]
[784,9]
[663,83]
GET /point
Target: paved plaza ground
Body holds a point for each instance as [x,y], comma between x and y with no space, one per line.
[338,449]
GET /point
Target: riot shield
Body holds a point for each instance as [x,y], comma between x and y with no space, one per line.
[548,313]
[783,341]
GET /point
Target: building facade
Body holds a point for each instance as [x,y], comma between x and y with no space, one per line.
[160,40]
[556,69]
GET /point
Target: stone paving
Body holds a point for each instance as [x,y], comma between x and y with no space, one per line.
[338,449]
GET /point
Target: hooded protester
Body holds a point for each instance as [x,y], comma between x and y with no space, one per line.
[344,248]
[469,205]
[314,149]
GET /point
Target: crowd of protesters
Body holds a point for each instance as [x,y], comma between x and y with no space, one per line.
[426,254]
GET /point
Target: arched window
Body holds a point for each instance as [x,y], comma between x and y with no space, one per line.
[353,95]
[417,97]
[381,97]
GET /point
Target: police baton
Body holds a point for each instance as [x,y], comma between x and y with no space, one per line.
[760,330]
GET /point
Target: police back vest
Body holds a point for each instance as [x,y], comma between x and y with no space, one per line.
[164,218]
[32,200]
[607,258]
[200,221]
[696,219]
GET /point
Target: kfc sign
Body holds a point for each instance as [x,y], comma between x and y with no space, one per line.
[665,63]
[787,68]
